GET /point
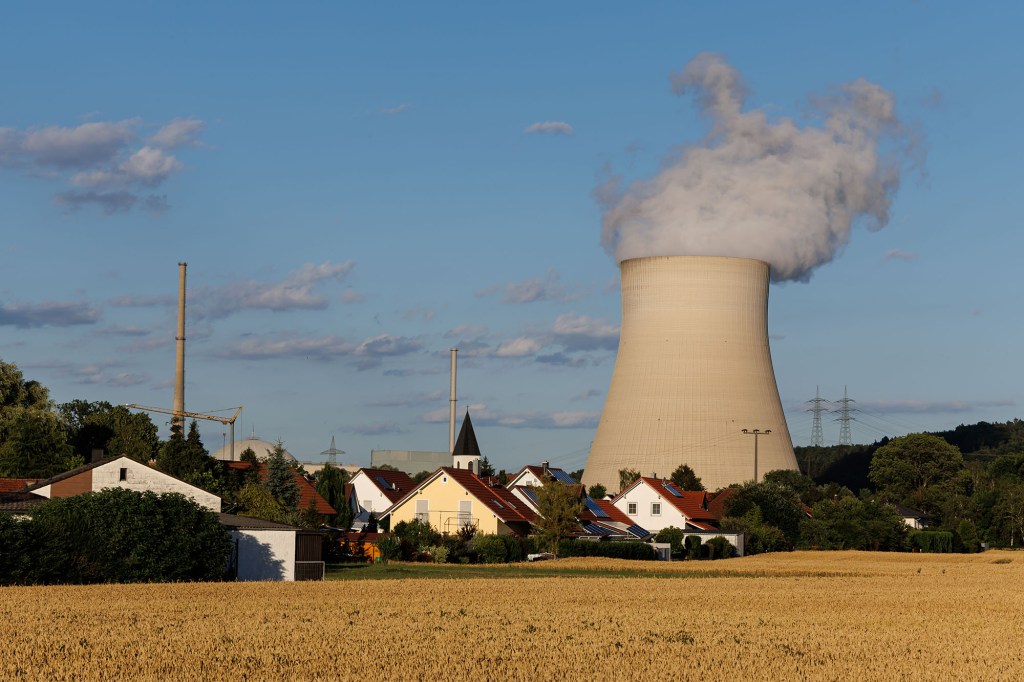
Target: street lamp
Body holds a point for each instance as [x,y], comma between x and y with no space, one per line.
[755,433]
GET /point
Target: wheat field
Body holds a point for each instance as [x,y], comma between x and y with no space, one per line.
[803,616]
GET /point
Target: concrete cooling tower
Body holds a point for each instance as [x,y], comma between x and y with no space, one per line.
[692,372]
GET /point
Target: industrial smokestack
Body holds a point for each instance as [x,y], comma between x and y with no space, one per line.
[693,370]
[451,404]
[179,368]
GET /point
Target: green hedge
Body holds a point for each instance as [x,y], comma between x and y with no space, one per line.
[114,535]
[932,541]
[616,550]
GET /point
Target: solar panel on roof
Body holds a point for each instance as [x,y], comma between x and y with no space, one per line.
[595,508]
[637,531]
[529,492]
[595,529]
[672,489]
[562,477]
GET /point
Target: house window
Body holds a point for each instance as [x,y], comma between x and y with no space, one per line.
[631,508]
[655,508]
[123,474]
[465,513]
[423,511]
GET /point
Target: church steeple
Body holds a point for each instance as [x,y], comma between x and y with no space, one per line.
[466,454]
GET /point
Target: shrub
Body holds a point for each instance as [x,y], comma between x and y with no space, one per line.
[490,549]
[673,536]
[693,547]
[968,536]
[616,550]
[119,535]
[719,548]
[439,553]
[390,548]
[932,541]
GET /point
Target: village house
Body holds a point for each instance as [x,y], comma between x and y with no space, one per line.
[120,472]
[373,491]
[452,498]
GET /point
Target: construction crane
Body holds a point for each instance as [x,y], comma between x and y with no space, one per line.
[196,415]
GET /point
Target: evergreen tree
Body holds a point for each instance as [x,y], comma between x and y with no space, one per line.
[281,479]
[485,467]
[686,479]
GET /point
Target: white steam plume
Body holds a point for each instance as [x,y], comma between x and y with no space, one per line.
[754,188]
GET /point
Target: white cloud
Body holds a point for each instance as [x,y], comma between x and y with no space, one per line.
[397,110]
[579,332]
[517,348]
[181,132]
[550,128]
[896,254]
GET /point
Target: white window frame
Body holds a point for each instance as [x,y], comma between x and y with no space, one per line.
[631,508]
[655,508]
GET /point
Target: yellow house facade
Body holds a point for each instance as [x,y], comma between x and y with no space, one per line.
[450,499]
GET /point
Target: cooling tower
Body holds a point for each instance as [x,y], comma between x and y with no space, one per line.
[692,372]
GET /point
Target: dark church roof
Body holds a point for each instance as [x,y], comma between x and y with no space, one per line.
[466,443]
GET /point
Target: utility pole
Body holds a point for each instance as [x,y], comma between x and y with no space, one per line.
[756,433]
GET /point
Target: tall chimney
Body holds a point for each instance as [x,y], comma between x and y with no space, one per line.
[451,405]
[693,370]
[179,368]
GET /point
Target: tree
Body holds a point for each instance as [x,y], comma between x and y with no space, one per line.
[558,506]
[597,492]
[906,467]
[115,430]
[33,443]
[183,456]
[626,477]
[281,478]
[33,438]
[330,483]
[686,479]
[802,485]
[420,477]
[485,467]
[777,506]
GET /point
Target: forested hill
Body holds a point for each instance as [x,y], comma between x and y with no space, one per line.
[848,465]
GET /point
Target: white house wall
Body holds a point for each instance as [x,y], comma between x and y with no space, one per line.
[265,554]
[370,498]
[142,478]
[644,497]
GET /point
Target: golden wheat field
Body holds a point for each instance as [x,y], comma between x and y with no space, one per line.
[806,616]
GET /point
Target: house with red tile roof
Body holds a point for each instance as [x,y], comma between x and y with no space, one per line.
[656,503]
[599,519]
[451,498]
[374,491]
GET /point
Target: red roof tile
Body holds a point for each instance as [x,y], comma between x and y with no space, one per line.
[614,513]
[501,501]
[13,485]
[397,484]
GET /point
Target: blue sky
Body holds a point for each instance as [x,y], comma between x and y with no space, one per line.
[357,189]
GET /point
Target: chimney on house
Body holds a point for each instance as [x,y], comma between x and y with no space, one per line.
[544,468]
[97,455]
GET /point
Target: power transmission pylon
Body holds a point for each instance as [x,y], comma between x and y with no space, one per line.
[844,419]
[817,407]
